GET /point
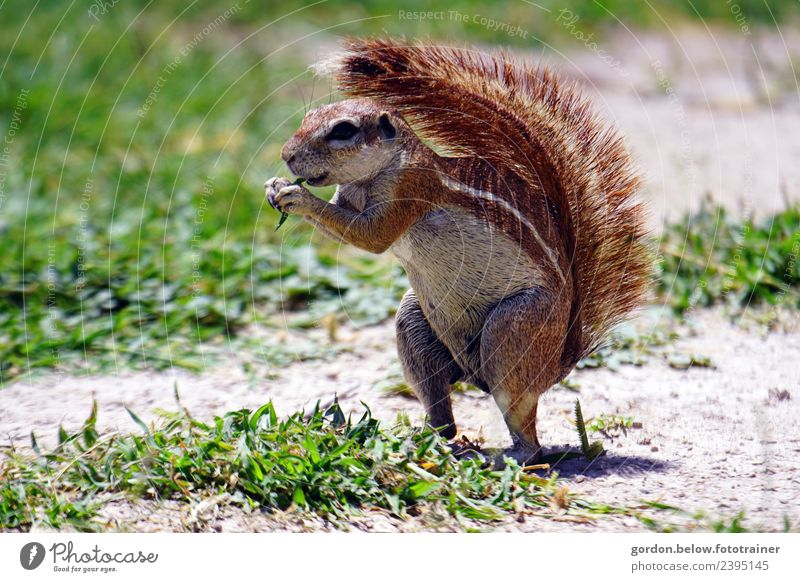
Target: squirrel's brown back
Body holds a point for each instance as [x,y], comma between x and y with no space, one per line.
[528,125]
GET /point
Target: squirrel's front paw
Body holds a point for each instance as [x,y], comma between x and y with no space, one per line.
[273,186]
[288,197]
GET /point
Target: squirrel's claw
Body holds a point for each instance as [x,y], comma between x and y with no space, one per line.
[272,187]
[291,198]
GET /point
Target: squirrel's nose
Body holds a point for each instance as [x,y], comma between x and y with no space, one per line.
[287,155]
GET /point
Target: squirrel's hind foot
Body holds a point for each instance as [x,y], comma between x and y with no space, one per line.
[523,453]
[463,448]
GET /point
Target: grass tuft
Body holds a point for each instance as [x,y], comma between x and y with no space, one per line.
[710,258]
[323,463]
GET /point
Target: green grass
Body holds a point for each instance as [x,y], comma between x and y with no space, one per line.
[609,425]
[134,239]
[320,463]
[710,258]
[703,520]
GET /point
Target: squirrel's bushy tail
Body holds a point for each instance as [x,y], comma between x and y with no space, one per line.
[535,124]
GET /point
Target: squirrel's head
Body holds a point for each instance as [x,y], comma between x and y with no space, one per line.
[345,142]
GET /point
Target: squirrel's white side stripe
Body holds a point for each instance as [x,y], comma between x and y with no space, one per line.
[483,194]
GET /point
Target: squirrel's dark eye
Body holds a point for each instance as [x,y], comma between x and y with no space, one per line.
[341,131]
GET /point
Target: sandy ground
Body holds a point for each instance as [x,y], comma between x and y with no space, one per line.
[703,114]
[720,439]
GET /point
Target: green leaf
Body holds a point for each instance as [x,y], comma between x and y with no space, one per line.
[311,448]
[581,426]
[281,220]
[595,450]
[256,416]
[590,451]
[423,488]
[35,445]
[139,422]
[299,497]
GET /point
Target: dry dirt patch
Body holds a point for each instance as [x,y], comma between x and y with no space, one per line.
[719,439]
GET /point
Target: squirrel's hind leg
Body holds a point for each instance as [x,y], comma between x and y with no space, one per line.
[521,346]
[427,364]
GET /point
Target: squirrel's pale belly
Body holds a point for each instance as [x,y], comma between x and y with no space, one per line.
[460,267]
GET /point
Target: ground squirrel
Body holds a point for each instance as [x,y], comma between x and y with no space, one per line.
[523,244]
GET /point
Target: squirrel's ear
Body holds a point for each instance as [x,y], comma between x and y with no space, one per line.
[386,128]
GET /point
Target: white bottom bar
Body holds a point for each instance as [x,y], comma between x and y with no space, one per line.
[424,557]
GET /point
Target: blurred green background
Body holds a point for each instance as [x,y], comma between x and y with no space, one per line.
[137,137]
